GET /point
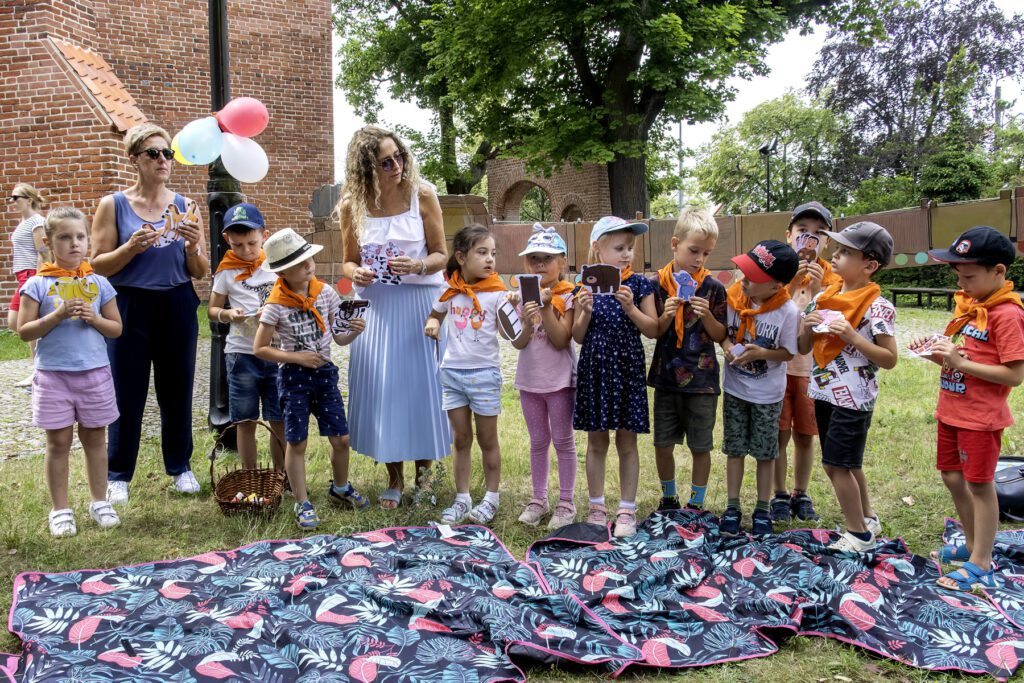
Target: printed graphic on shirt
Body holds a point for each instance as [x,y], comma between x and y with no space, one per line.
[67,288]
[766,336]
[467,321]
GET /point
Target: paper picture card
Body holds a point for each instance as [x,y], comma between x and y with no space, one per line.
[600,278]
[529,289]
[377,257]
[828,316]
[350,310]
[923,349]
[686,285]
[510,326]
[807,246]
[173,218]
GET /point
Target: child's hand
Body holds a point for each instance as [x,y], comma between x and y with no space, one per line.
[813,270]
[235,315]
[433,329]
[362,276]
[809,321]
[63,310]
[531,311]
[727,351]
[751,352]
[545,296]
[672,305]
[356,326]
[84,311]
[700,306]
[624,296]
[585,299]
[952,356]
[308,359]
[513,298]
[842,328]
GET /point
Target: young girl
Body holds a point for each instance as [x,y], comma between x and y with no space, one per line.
[470,374]
[611,393]
[69,310]
[546,378]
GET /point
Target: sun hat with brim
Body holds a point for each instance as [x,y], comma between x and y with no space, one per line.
[981,244]
[544,241]
[285,248]
[614,224]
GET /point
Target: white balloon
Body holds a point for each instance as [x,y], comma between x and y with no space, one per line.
[244,158]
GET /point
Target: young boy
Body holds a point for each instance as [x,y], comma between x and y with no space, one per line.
[981,361]
[851,330]
[240,288]
[797,419]
[303,312]
[761,337]
[684,369]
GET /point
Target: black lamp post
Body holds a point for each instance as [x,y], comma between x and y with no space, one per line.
[223,192]
[767,150]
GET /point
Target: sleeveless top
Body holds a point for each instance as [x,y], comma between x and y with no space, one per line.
[406,231]
[23,253]
[160,267]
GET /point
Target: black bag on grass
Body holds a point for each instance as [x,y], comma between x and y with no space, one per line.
[1010,488]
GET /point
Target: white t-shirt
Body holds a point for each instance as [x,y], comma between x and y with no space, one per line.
[23,253]
[298,330]
[851,380]
[247,295]
[763,381]
[472,336]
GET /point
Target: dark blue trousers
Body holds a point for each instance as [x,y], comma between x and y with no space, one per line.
[160,329]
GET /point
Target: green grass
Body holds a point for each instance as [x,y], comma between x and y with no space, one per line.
[161,525]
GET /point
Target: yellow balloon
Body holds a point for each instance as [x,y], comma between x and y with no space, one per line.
[177,153]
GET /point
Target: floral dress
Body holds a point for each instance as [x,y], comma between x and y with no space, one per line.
[610,387]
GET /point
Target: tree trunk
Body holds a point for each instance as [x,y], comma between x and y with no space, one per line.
[627,184]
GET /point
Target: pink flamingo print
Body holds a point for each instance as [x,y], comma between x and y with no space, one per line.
[460,322]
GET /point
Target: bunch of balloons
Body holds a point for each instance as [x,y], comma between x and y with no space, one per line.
[227,135]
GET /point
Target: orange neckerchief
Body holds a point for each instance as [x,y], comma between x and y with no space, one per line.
[561,287]
[828,278]
[456,285]
[283,294]
[627,273]
[671,287]
[231,262]
[740,303]
[853,305]
[53,270]
[969,310]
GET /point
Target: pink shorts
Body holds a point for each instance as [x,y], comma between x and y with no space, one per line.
[22,277]
[60,398]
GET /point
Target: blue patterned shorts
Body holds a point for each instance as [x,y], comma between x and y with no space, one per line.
[480,389]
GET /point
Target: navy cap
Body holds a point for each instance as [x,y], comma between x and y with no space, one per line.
[981,244]
[815,209]
[244,214]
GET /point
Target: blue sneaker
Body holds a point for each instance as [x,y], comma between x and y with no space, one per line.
[762,523]
[306,515]
[803,508]
[347,497]
[729,524]
[782,509]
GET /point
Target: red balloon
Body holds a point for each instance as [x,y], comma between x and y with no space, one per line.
[344,286]
[243,116]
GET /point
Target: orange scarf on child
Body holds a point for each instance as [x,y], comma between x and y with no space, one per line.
[828,278]
[976,312]
[282,294]
[627,273]
[561,287]
[231,262]
[456,285]
[740,303]
[671,287]
[853,305]
[53,270]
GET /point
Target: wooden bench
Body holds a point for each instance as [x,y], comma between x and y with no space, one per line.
[921,292]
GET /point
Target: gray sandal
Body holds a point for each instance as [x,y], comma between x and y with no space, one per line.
[390,499]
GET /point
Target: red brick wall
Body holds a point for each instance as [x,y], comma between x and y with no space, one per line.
[585,188]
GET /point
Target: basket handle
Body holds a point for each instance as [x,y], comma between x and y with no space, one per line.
[218,446]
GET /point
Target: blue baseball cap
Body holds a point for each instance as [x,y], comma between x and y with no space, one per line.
[244,214]
[544,241]
[614,224]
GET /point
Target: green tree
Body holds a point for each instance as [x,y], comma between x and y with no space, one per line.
[1008,156]
[732,171]
[883,193]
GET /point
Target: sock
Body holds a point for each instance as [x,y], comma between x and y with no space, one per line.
[732,503]
[668,488]
[492,498]
[761,505]
[627,505]
[697,494]
[597,501]
[347,488]
[784,494]
[861,535]
[464,498]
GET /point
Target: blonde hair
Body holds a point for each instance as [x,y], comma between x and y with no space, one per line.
[137,135]
[31,193]
[698,220]
[362,185]
[60,214]
[592,254]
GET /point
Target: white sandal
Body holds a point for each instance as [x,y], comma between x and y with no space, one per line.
[62,523]
[103,513]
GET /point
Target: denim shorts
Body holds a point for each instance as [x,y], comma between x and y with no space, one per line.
[478,388]
[250,381]
[306,391]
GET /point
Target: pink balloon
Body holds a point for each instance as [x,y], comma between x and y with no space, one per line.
[243,116]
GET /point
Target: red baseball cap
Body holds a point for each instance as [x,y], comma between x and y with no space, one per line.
[769,260]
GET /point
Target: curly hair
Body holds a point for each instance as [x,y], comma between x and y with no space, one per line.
[362,186]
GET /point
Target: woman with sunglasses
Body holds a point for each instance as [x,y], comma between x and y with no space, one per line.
[151,263]
[27,251]
[391,219]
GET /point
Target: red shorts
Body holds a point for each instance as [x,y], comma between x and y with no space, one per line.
[797,407]
[971,452]
[22,276]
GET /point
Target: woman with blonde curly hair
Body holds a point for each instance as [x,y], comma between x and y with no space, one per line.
[395,251]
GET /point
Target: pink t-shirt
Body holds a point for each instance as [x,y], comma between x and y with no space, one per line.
[542,368]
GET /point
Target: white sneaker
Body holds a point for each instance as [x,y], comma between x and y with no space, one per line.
[62,523]
[103,513]
[873,525]
[848,543]
[484,512]
[117,492]
[186,483]
[27,382]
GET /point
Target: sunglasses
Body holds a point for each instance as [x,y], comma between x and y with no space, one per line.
[389,164]
[15,197]
[154,153]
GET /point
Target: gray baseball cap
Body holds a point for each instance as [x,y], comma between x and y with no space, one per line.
[867,237]
[812,209]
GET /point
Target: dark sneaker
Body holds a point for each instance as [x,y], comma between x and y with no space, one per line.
[347,497]
[693,507]
[669,503]
[803,508]
[762,523]
[781,509]
[729,525]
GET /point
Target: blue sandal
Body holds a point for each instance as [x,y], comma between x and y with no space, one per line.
[952,554]
[969,577]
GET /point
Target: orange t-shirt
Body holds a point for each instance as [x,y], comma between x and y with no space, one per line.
[968,402]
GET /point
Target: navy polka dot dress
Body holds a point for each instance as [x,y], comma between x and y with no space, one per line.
[610,389]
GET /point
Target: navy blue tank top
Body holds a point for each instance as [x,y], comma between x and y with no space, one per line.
[160,267]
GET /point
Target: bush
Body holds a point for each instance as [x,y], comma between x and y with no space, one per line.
[939,276]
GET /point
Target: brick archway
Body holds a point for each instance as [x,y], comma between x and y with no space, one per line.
[512,199]
[585,188]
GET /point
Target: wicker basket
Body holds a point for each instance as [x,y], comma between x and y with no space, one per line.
[264,483]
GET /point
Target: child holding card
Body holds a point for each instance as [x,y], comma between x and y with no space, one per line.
[240,288]
[546,376]
[610,388]
[981,360]
[301,311]
[691,310]
[71,311]
[806,234]
[859,339]
[761,337]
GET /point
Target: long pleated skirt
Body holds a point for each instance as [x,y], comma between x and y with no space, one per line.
[394,408]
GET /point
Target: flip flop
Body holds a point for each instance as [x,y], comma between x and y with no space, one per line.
[951,554]
[968,577]
[390,499]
